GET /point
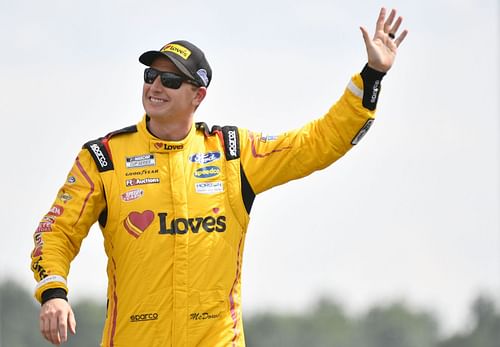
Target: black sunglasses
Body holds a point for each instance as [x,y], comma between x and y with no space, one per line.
[168,79]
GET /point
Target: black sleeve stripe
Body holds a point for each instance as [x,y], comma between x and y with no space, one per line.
[371,86]
[247,192]
[53,293]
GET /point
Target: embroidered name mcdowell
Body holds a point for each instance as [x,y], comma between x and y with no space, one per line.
[143,317]
[139,181]
[183,225]
[204,315]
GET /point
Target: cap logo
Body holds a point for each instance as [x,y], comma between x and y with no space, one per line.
[203,75]
[181,51]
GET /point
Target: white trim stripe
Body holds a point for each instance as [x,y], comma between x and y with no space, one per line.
[355,90]
[53,278]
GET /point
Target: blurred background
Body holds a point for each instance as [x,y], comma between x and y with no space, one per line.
[397,242]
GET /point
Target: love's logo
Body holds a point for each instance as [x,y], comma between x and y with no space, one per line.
[137,222]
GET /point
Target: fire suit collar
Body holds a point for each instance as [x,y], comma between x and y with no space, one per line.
[157,145]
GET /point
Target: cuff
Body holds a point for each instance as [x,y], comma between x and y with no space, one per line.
[371,86]
[54,293]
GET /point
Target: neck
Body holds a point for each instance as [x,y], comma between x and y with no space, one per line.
[169,131]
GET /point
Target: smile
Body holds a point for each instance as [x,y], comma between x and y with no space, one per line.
[156,100]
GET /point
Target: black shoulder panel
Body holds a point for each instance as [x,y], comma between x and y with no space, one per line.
[231,142]
[129,129]
[99,151]
[100,154]
[230,136]
[203,126]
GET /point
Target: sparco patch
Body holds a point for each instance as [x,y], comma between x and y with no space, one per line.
[143,317]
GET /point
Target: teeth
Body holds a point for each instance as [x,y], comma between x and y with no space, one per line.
[156,100]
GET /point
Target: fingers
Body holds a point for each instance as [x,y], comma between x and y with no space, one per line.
[400,38]
[72,322]
[388,22]
[396,25]
[55,317]
[366,36]
[380,20]
[391,27]
[56,326]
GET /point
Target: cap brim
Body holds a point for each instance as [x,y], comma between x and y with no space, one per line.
[149,57]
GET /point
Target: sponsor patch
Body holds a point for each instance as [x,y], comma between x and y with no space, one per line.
[162,147]
[132,195]
[64,197]
[56,210]
[268,138]
[143,317]
[204,158]
[140,181]
[207,172]
[142,172]
[209,187]
[137,222]
[181,51]
[43,227]
[140,161]
[203,75]
[99,155]
[362,132]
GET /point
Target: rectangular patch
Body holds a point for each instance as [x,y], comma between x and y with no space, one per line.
[181,51]
[362,132]
[140,161]
[209,187]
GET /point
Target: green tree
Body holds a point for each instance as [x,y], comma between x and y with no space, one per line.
[485,330]
[18,317]
[397,326]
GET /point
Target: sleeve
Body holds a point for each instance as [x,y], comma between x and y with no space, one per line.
[269,161]
[59,235]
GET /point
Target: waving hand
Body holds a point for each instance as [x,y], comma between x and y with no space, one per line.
[382,48]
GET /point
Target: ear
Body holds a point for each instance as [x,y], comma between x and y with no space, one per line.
[201,92]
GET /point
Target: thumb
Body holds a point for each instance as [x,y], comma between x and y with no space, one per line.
[366,36]
[72,322]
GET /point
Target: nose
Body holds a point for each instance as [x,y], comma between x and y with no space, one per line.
[156,85]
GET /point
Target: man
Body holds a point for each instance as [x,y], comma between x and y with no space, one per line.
[173,198]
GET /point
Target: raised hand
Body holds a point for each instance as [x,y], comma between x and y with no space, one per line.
[382,48]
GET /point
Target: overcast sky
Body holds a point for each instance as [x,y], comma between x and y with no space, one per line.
[411,213]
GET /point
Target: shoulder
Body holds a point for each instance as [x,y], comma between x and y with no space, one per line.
[228,135]
[99,148]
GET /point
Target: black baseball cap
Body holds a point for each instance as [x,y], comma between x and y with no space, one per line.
[188,58]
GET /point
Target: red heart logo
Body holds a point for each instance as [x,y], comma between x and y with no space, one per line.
[216,210]
[158,145]
[141,220]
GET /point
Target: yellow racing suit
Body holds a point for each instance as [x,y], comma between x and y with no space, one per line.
[174,216]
